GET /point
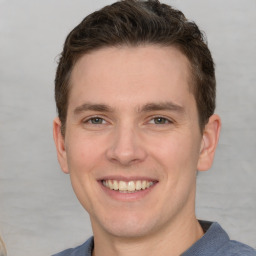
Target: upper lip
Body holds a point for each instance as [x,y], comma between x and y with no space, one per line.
[126,178]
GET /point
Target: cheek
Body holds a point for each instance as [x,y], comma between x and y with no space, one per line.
[175,151]
[83,154]
[177,156]
[82,158]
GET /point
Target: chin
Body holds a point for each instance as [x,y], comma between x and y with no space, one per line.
[128,230]
[126,226]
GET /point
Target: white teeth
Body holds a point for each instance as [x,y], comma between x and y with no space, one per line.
[115,185]
[110,185]
[144,184]
[138,185]
[122,186]
[130,186]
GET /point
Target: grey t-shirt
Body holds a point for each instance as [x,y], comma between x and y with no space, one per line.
[215,242]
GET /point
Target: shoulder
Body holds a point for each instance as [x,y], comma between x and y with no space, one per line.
[223,245]
[216,242]
[234,248]
[84,249]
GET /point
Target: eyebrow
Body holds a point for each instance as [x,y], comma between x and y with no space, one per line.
[93,107]
[169,106]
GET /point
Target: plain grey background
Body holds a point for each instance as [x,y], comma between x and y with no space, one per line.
[39,214]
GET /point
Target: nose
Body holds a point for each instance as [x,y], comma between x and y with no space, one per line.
[126,147]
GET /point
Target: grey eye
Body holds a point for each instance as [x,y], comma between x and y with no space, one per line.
[96,120]
[160,120]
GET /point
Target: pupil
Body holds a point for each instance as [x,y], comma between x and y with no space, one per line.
[96,120]
[160,120]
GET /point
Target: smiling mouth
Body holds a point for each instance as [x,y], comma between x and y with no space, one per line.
[127,187]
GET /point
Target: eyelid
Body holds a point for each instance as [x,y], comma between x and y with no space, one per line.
[89,118]
[150,119]
[169,120]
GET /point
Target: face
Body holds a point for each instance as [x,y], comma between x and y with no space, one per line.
[132,143]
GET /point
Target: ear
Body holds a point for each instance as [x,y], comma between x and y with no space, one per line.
[60,145]
[209,143]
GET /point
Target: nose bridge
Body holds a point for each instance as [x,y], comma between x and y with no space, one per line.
[126,146]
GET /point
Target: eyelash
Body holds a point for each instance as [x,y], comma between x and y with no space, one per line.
[152,120]
[90,120]
[166,120]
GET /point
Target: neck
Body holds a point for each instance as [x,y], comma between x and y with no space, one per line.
[173,240]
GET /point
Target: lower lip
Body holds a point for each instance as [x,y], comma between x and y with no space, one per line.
[131,196]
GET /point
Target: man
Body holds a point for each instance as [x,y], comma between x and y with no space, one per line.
[135,93]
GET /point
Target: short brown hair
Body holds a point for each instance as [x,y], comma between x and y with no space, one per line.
[134,22]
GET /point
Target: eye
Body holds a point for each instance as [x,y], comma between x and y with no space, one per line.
[159,120]
[95,120]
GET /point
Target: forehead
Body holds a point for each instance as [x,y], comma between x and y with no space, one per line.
[145,72]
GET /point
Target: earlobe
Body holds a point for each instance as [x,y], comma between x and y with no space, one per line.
[60,145]
[209,143]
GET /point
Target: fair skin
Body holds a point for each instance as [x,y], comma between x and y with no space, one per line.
[132,147]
